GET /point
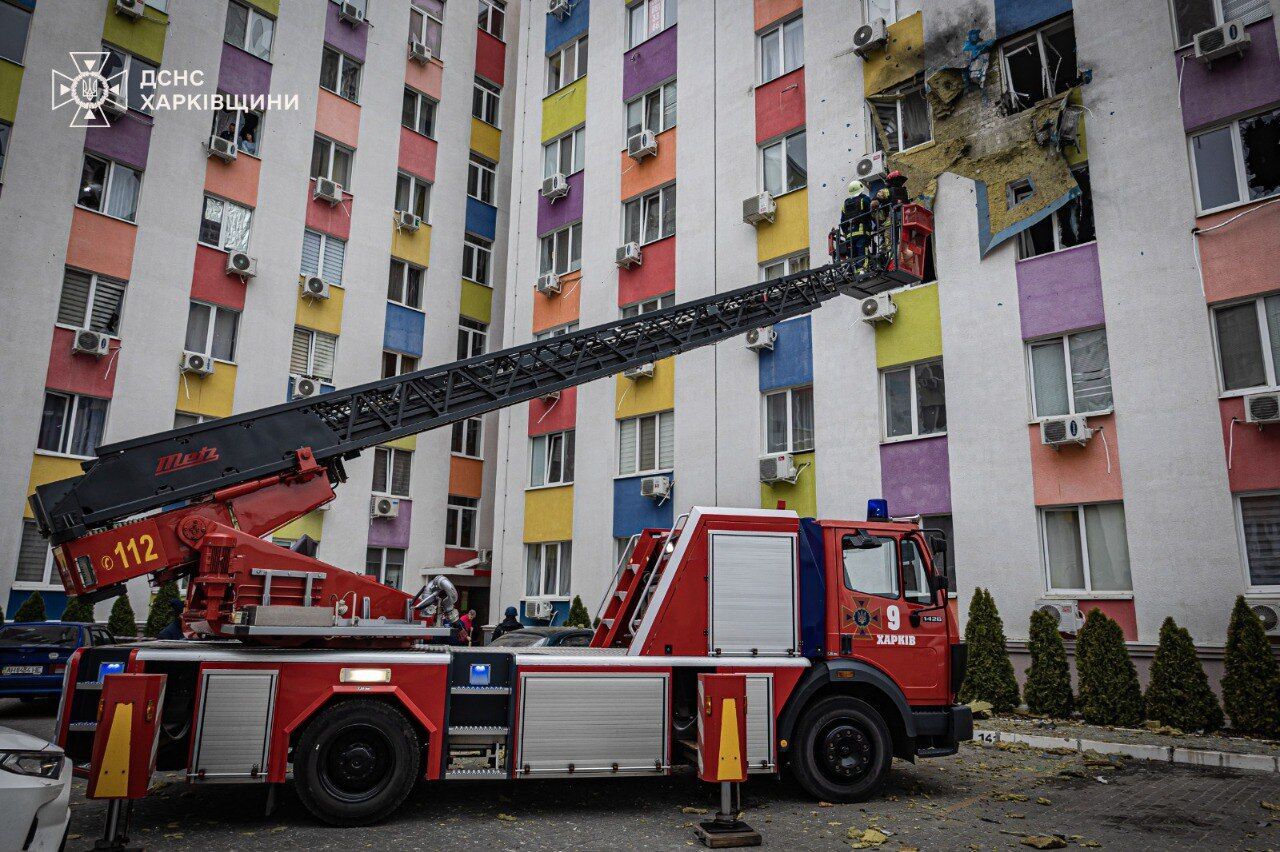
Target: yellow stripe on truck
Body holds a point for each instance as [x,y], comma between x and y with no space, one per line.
[113,774]
[730,768]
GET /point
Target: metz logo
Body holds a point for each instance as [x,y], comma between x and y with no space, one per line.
[179,461]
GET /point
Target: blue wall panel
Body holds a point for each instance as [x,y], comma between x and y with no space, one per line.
[482,219]
[790,363]
[1014,16]
[404,330]
[573,25]
[632,513]
[54,602]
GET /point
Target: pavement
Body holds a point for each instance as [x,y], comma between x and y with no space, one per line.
[983,798]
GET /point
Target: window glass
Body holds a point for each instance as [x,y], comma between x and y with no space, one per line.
[797,162]
[916,129]
[775,415]
[93,181]
[886,9]
[792,45]
[198,327]
[122,200]
[1090,371]
[1260,517]
[1260,146]
[772,166]
[1216,177]
[5,129]
[801,419]
[871,570]
[897,403]
[1075,219]
[915,579]
[1240,346]
[931,398]
[13,32]
[1191,17]
[1108,548]
[770,56]
[1049,374]
[1062,548]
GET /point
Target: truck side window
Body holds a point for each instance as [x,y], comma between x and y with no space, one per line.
[915,579]
[870,565]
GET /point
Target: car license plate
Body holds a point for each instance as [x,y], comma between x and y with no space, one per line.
[22,670]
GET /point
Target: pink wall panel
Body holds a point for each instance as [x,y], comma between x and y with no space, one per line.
[99,243]
[211,283]
[425,78]
[768,11]
[236,180]
[780,105]
[553,417]
[1253,453]
[74,373]
[655,276]
[332,219]
[1122,612]
[338,118]
[1075,474]
[1243,258]
[417,154]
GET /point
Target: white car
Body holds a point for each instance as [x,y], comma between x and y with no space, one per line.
[35,787]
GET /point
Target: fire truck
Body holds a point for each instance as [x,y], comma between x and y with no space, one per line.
[293,668]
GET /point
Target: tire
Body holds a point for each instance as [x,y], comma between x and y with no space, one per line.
[842,750]
[356,762]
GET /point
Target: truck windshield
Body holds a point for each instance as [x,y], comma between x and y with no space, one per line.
[873,570]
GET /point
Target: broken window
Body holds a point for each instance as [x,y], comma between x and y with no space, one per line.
[1237,162]
[1040,65]
[904,120]
[1196,16]
[1070,225]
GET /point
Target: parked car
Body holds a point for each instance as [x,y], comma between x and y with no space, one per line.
[35,786]
[542,637]
[33,655]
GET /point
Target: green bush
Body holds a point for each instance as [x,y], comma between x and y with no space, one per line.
[1048,689]
[1179,693]
[1249,687]
[78,609]
[1109,690]
[161,612]
[989,674]
[32,609]
[578,615]
[123,622]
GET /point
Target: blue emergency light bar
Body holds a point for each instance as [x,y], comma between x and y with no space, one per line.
[878,509]
[105,669]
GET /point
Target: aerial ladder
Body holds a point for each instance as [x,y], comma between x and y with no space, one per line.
[195,502]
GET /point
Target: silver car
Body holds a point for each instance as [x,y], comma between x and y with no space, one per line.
[35,787]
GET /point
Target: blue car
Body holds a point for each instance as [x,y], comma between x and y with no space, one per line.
[33,655]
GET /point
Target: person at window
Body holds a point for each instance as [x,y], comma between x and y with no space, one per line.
[248,144]
[855,217]
[507,624]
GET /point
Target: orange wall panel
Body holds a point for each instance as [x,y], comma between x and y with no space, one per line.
[1243,258]
[338,118]
[101,244]
[417,154]
[425,78]
[651,171]
[466,476]
[1120,611]
[550,311]
[75,373]
[211,283]
[780,106]
[546,417]
[655,275]
[768,11]
[1075,474]
[334,219]
[236,180]
[1253,453]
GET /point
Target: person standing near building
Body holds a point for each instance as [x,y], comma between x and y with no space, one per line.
[855,218]
[507,624]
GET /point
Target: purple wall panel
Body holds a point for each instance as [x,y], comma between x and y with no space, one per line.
[562,211]
[915,476]
[243,73]
[392,532]
[350,40]
[127,139]
[648,64]
[1232,86]
[1060,292]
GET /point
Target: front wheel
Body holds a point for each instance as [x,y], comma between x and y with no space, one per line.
[356,762]
[842,750]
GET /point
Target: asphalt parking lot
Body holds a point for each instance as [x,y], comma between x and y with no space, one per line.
[983,798]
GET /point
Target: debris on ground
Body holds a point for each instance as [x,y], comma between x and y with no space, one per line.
[1044,841]
[980,709]
[689,809]
[506,817]
[866,839]
[1041,800]
[1271,806]
[1010,797]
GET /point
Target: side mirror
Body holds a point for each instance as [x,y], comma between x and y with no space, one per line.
[937,583]
[938,544]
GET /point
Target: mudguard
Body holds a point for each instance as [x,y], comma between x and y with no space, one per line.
[837,671]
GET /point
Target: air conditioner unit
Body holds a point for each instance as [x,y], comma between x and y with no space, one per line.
[643,144]
[870,167]
[655,486]
[644,371]
[407,221]
[484,557]
[223,149]
[115,104]
[90,342]
[1066,614]
[549,284]
[328,190]
[628,255]
[1268,611]
[1072,429]
[537,610]
[555,186]
[1262,407]
[778,467]
[130,8]
[761,339]
[1226,40]
[419,52]
[196,362]
[239,263]
[870,36]
[759,208]
[880,308]
[314,287]
[304,387]
[383,507]
[352,13]
[559,8]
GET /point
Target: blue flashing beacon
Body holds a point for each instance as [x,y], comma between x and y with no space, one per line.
[878,509]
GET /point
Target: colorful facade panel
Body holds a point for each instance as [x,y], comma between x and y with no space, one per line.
[1014,16]
[210,395]
[486,140]
[790,363]
[780,106]
[1233,86]
[916,331]
[75,373]
[633,513]
[915,476]
[560,212]
[649,64]
[348,38]
[491,58]
[211,283]
[466,476]
[633,397]
[561,31]
[789,231]
[127,140]
[553,415]
[1243,258]
[1060,291]
[322,314]
[413,246]
[551,311]
[417,154]
[236,181]
[242,73]
[142,37]
[655,276]
[477,301]
[332,219]
[101,244]
[768,11]
[651,171]
[564,110]
[403,330]
[800,497]
[338,118]
[482,219]
[1077,474]
[392,532]
[1251,452]
[548,514]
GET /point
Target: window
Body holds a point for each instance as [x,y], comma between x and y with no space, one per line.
[784,165]
[484,101]
[477,259]
[472,338]
[914,401]
[460,522]
[332,161]
[418,112]
[249,30]
[561,250]
[1260,536]
[183,419]
[873,570]
[385,564]
[414,195]
[648,306]
[551,459]
[1071,374]
[1238,162]
[397,364]
[14,23]
[313,353]
[567,64]
[244,127]
[340,74]
[493,14]
[1196,16]
[547,569]
[404,284]
[646,444]
[655,111]
[1086,549]
[35,558]
[650,217]
[5,130]
[547,334]
[565,155]
[1248,338]
[1069,225]
[1039,65]
[211,330]
[71,424]
[481,177]
[784,266]
[391,471]
[426,23]
[781,49]
[788,421]
[466,437]
[904,121]
[646,18]
[225,225]
[136,68]
[887,9]
[109,187]
[323,255]
[90,301]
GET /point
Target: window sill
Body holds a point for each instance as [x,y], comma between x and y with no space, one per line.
[481,200]
[20,586]
[1104,412]
[788,192]
[246,52]
[391,496]
[1057,251]
[1235,205]
[670,471]
[1081,594]
[902,439]
[478,283]
[53,454]
[548,486]
[490,123]
[799,67]
[108,215]
[923,146]
[339,94]
[109,334]
[1237,394]
[419,133]
[559,90]
[406,307]
[465,456]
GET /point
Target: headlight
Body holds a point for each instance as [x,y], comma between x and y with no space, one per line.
[38,764]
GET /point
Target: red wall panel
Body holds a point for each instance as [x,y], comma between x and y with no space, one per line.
[547,417]
[655,275]
[74,373]
[1253,453]
[211,283]
[491,57]
[780,105]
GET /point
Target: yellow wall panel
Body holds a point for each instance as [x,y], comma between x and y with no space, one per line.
[210,395]
[408,442]
[789,232]
[413,246]
[10,83]
[548,514]
[309,524]
[564,110]
[802,497]
[144,36]
[632,397]
[477,301]
[916,331]
[321,314]
[46,469]
[486,140]
[899,60]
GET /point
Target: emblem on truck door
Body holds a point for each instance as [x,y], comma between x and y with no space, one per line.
[859,620]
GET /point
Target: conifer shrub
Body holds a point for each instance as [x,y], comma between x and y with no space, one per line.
[578,615]
[989,674]
[1048,688]
[1179,693]
[1109,690]
[161,612]
[32,609]
[122,623]
[1249,687]
[78,609]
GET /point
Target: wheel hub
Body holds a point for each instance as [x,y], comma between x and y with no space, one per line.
[357,764]
[844,752]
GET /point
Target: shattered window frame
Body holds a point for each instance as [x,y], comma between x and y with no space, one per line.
[1244,193]
[1026,238]
[1080,384]
[868,13]
[896,101]
[1038,38]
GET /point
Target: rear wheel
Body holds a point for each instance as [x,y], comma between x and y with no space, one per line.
[356,762]
[842,750]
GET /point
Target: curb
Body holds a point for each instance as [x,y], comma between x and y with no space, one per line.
[1164,754]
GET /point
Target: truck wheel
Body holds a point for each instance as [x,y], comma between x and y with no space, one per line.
[842,750]
[356,762]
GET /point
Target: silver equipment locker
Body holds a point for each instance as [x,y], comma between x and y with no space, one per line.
[752,594]
[233,727]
